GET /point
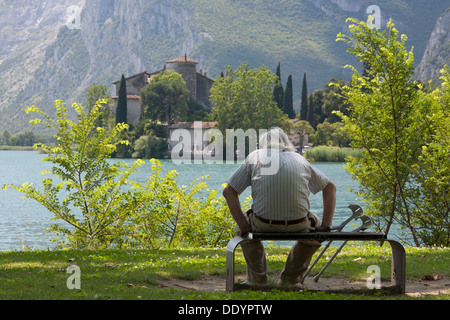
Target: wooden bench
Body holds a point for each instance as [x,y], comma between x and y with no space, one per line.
[398,262]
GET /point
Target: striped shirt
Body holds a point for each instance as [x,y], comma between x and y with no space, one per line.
[282,192]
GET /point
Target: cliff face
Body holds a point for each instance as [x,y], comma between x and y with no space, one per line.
[44,59]
[114,29]
[23,20]
[27,29]
[437,52]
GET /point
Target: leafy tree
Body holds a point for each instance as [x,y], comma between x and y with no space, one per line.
[123,150]
[87,194]
[27,138]
[168,215]
[302,128]
[316,99]
[96,93]
[148,127]
[432,171]
[148,147]
[390,117]
[322,135]
[304,102]
[165,97]
[195,111]
[278,92]
[243,99]
[311,118]
[330,134]
[288,103]
[6,137]
[333,100]
[323,103]
[339,135]
[122,109]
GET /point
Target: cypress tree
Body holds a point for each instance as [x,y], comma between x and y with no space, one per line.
[304,103]
[121,111]
[278,94]
[288,100]
[311,115]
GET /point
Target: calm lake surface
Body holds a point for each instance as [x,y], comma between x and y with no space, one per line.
[23,222]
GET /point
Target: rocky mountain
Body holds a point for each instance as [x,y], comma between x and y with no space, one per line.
[27,29]
[437,52]
[56,49]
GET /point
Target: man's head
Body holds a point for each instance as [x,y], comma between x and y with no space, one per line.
[276,138]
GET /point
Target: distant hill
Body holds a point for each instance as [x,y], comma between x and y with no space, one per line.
[42,59]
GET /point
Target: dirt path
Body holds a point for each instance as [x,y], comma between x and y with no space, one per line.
[413,287]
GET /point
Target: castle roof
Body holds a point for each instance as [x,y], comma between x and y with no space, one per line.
[134,76]
[190,125]
[182,59]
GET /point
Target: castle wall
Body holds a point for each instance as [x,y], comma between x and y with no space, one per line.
[134,84]
[204,86]
[189,73]
[134,111]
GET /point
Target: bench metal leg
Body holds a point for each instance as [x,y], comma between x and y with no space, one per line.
[398,266]
[231,247]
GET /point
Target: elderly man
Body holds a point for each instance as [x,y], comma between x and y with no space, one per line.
[281,181]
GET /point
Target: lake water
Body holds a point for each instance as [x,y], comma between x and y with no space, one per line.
[23,221]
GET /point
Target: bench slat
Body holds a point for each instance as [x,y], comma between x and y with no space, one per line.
[321,236]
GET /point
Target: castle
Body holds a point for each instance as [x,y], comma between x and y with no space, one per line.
[197,83]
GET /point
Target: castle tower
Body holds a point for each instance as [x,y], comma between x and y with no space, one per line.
[188,70]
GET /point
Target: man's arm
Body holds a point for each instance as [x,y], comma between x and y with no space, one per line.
[236,211]
[329,204]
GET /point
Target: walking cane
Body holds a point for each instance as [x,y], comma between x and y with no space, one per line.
[366,223]
[357,211]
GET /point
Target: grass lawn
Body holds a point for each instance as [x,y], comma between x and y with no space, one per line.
[135,274]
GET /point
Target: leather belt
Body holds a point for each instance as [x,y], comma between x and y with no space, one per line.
[281,222]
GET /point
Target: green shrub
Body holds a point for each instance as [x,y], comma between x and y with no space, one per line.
[330,154]
[148,147]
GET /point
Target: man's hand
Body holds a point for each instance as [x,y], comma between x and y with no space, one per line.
[245,230]
[322,228]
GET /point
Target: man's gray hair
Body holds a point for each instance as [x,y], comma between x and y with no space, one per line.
[276,138]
